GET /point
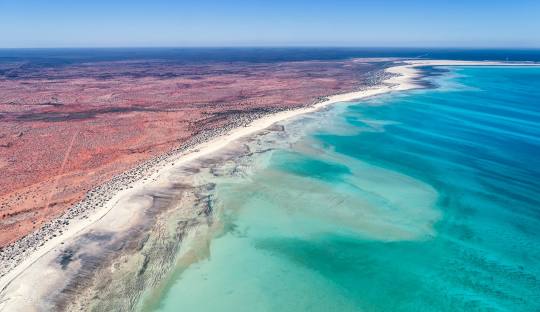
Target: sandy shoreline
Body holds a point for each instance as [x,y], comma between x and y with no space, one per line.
[405,78]
[77,225]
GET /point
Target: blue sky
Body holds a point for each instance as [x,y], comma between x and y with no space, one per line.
[121,23]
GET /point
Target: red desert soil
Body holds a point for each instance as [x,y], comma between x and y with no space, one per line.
[67,129]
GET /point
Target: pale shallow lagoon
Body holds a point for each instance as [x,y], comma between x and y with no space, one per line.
[425,200]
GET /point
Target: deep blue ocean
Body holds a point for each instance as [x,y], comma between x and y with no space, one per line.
[424,200]
[64,56]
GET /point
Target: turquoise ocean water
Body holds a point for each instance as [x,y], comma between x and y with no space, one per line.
[425,200]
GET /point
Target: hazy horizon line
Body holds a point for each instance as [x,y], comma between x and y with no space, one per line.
[277,47]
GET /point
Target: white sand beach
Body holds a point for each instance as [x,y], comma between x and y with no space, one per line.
[20,289]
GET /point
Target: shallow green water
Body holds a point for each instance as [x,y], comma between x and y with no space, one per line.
[420,201]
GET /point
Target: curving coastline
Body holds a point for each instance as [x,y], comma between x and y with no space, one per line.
[403,78]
